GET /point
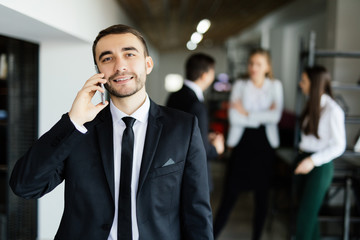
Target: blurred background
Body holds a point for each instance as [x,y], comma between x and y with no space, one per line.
[45,57]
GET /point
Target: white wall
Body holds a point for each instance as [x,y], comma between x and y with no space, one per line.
[285,48]
[81,19]
[174,62]
[64,29]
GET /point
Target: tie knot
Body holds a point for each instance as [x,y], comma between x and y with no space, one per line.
[129,121]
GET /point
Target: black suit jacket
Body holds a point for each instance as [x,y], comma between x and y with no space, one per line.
[172,201]
[186,100]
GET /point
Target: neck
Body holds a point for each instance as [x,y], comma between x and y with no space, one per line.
[200,84]
[258,82]
[130,104]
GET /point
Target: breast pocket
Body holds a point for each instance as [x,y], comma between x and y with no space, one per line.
[161,192]
[170,169]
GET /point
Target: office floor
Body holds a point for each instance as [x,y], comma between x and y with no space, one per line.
[277,226]
[240,222]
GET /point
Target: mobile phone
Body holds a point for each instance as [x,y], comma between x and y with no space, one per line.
[102,94]
[101,85]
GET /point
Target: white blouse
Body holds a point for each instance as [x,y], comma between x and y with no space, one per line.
[257,102]
[332,139]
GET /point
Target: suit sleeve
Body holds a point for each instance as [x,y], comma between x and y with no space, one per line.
[195,201]
[41,169]
[199,110]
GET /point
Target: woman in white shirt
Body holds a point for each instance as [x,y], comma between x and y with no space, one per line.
[322,140]
[255,110]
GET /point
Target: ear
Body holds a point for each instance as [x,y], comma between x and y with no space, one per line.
[149,64]
[203,76]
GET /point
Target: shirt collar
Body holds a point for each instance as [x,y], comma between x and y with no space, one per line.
[140,115]
[266,84]
[193,86]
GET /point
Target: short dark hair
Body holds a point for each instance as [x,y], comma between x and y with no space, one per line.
[119,29]
[197,64]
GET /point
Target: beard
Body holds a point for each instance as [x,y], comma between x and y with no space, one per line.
[121,93]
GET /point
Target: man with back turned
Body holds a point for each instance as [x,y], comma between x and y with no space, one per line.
[200,74]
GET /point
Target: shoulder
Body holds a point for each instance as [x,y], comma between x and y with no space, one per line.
[276,83]
[170,114]
[184,93]
[239,85]
[333,107]
[182,100]
[174,120]
[240,82]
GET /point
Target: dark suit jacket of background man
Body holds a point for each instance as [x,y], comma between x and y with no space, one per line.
[172,201]
[186,100]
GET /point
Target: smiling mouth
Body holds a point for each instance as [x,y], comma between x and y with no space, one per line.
[122,79]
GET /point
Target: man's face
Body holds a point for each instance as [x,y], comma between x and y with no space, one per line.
[210,77]
[121,57]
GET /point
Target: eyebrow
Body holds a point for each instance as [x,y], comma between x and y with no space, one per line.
[124,49]
[103,54]
[129,49]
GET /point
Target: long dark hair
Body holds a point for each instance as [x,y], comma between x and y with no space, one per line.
[320,83]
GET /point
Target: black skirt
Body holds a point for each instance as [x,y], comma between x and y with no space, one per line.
[251,161]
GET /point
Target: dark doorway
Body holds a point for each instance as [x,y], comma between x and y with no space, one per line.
[19,64]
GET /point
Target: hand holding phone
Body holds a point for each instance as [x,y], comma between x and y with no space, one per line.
[82,109]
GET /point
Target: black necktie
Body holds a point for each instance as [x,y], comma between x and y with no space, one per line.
[124,208]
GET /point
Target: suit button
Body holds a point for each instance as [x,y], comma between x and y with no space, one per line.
[106,227]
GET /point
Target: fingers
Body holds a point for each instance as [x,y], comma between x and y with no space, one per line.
[298,170]
[273,106]
[93,83]
[83,110]
[100,106]
[91,86]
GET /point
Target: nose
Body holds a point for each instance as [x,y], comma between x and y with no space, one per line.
[120,65]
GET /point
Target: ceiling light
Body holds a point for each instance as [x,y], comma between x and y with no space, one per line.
[203,26]
[173,82]
[196,37]
[191,45]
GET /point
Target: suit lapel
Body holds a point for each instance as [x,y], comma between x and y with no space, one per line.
[104,131]
[153,133]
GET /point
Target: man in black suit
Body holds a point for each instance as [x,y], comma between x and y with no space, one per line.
[200,72]
[169,196]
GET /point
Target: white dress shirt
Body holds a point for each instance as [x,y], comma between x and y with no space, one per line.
[331,130]
[193,86]
[257,102]
[139,128]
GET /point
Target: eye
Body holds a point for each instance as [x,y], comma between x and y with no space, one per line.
[106,59]
[130,54]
